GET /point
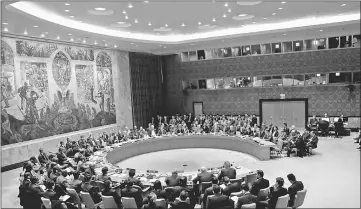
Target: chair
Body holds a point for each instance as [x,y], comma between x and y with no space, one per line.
[89,203]
[46,203]
[252,205]
[74,197]
[161,203]
[204,186]
[208,200]
[109,202]
[282,202]
[187,200]
[168,191]
[263,194]
[129,203]
[300,197]
[250,178]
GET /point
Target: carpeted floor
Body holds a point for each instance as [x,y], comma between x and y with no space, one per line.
[331,175]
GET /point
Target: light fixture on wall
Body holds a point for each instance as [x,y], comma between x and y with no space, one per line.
[277,46]
[318,75]
[247,48]
[25,32]
[297,44]
[6,30]
[283,96]
[337,74]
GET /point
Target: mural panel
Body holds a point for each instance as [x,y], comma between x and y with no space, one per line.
[43,102]
[85,83]
[35,49]
[77,53]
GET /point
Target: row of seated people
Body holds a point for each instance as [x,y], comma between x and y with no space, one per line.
[324,125]
[358,139]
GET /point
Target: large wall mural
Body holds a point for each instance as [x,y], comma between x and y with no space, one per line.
[43,94]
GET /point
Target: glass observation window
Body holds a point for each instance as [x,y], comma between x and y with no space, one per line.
[202,84]
[257,81]
[342,77]
[210,84]
[357,77]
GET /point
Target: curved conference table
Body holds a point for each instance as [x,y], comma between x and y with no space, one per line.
[260,150]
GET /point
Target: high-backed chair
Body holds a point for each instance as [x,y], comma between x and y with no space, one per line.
[203,186]
[168,191]
[74,197]
[46,203]
[129,203]
[161,203]
[109,202]
[282,202]
[187,200]
[209,196]
[252,205]
[88,200]
[236,180]
[263,194]
[250,178]
[300,197]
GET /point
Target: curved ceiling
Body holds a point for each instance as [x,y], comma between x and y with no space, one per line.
[172,23]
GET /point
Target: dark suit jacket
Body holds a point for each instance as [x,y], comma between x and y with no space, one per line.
[246,199]
[207,192]
[115,195]
[136,182]
[274,195]
[219,202]
[203,177]
[43,158]
[178,189]
[230,173]
[135,193]
[259,184]
[292,191]
[181,205]
[171,181]
[235,187]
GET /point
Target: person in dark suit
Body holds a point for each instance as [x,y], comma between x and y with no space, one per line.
[33,194]
[110,191]
[134,180]
[286,129]
[93,191]
[275,192]
[230,187]
[157,190]
[104,176]
[203,176]
[172,181]
[219,201]
[183,187]
[247,198]
[130,191]
[182,204]
[261,183]
[227,171]
[294,188]
[43,157]
[208,191]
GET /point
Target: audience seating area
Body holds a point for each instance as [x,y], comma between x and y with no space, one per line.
[66,179]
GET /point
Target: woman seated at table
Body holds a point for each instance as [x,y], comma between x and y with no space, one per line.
[157,190]
[267,135]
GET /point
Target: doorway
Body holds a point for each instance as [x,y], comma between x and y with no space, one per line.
[197,109]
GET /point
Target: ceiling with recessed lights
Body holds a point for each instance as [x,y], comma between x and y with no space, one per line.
[172,26]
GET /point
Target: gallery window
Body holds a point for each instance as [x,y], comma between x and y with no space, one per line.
[342,77]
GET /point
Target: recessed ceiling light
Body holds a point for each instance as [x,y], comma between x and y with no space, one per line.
[124,12]
[135,21]
[126,17]
[283,2]
[224,15]
[58,37]
[183,25]
[265,18]
[226,4]
[199,23]
[214,19]
[115,46]
[166,25]
[273,13]
[95,43]
[35,26]
[71,39]
[71,16]
[84,41]
[284,34]
[254,22]
[42,35]
[229,10]
[67,4]
[321,30]
[280,8]
[67,10]
[146,1]
[6,30]
[342,5]
[100,9]
[80,21]
[69,34]
[5,23]
[105,44]
[149,23]
[242,15]
[121,22]
[25,32]
[130,5]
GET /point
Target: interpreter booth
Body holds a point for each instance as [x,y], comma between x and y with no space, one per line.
[279,111]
